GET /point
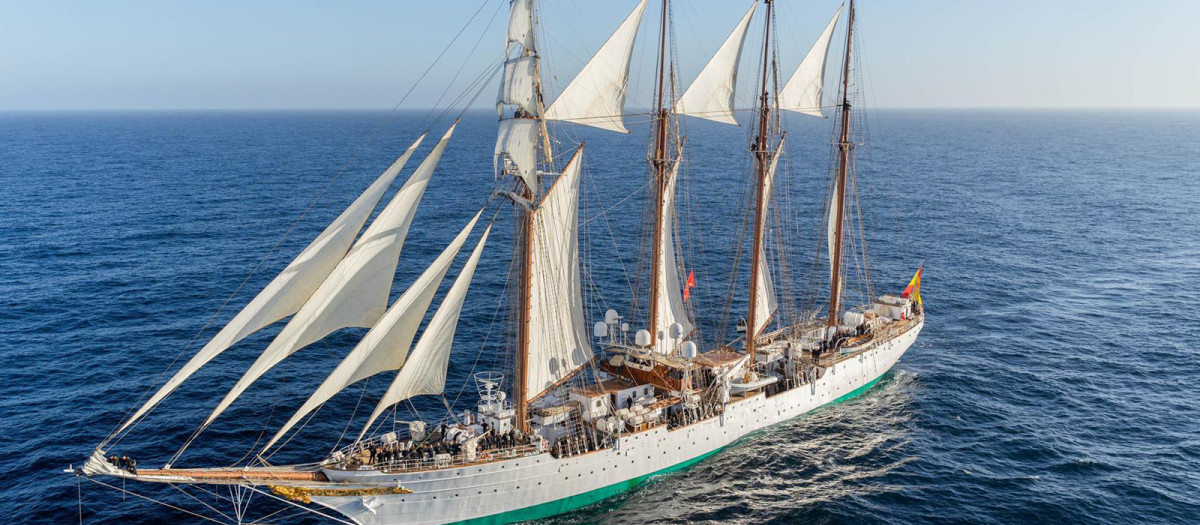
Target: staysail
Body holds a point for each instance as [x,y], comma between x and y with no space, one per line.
[670,303]
[425,370]
[766,301]
[802,93]
[386,346]
[356,292]
[711,95]
[293,286]
[596,97]
[558,344]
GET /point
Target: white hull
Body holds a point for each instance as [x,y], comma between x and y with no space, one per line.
[537,486]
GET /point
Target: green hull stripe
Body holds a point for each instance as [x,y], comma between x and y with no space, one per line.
[855,393]
[578,501]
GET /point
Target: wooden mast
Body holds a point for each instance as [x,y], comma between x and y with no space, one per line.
[521,364]
[762,154]
[844,145]
[659,166]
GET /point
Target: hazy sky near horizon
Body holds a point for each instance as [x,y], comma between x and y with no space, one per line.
[142,54]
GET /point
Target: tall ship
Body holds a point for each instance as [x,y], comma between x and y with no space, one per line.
[587,405]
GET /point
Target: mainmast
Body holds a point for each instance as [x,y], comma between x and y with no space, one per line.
[762,154]
[662,120]
[844,145]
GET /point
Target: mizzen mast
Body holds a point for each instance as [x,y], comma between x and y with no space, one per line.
[839,215]
[762,157]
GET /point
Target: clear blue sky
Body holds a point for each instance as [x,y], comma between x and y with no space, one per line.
[74,54]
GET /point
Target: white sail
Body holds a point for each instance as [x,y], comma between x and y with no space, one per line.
[596,97]
[764,296]
[356,292]
[802,93]
[386,346]
[520,24]
[517,87]
[293,286]
[670,298]
[558,344]
[711,95]
[425,371]
[517,142]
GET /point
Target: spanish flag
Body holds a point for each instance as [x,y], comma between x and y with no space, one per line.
[914,288]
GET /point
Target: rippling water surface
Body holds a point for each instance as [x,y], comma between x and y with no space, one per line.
[1055,380]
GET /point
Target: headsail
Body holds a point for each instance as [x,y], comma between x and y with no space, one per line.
[596,97]
[293,286]
[768,303]
[425,371]
[356,292]
[559,345]
[670,302]
[386,346]
[802,93]
[711,95]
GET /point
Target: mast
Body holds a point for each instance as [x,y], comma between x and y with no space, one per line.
[761,152]
[659,165]
[521,379]
[844,145]
[524,252]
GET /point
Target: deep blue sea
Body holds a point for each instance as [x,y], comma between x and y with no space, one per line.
[1055,381]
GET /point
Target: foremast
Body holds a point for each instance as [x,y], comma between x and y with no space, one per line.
[522,33]
[838,215]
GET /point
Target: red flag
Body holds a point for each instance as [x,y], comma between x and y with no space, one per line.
[687,288]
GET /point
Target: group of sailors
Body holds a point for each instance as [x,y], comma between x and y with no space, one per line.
[686,416]
[577,444]
[125,463]
[382,454]
[394,452]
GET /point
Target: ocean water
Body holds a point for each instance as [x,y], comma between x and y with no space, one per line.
[1055,380]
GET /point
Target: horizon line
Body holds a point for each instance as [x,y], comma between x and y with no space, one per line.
[488,109]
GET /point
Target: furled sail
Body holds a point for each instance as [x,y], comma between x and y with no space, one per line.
[425,370]
[293,286]
[802,93]
[766,301]
[831,228]
[517,87]
[517,144]
[386,346]
[670,301]
[356,292]
[711,95]
[558,344]
[596,97]
[520,24]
